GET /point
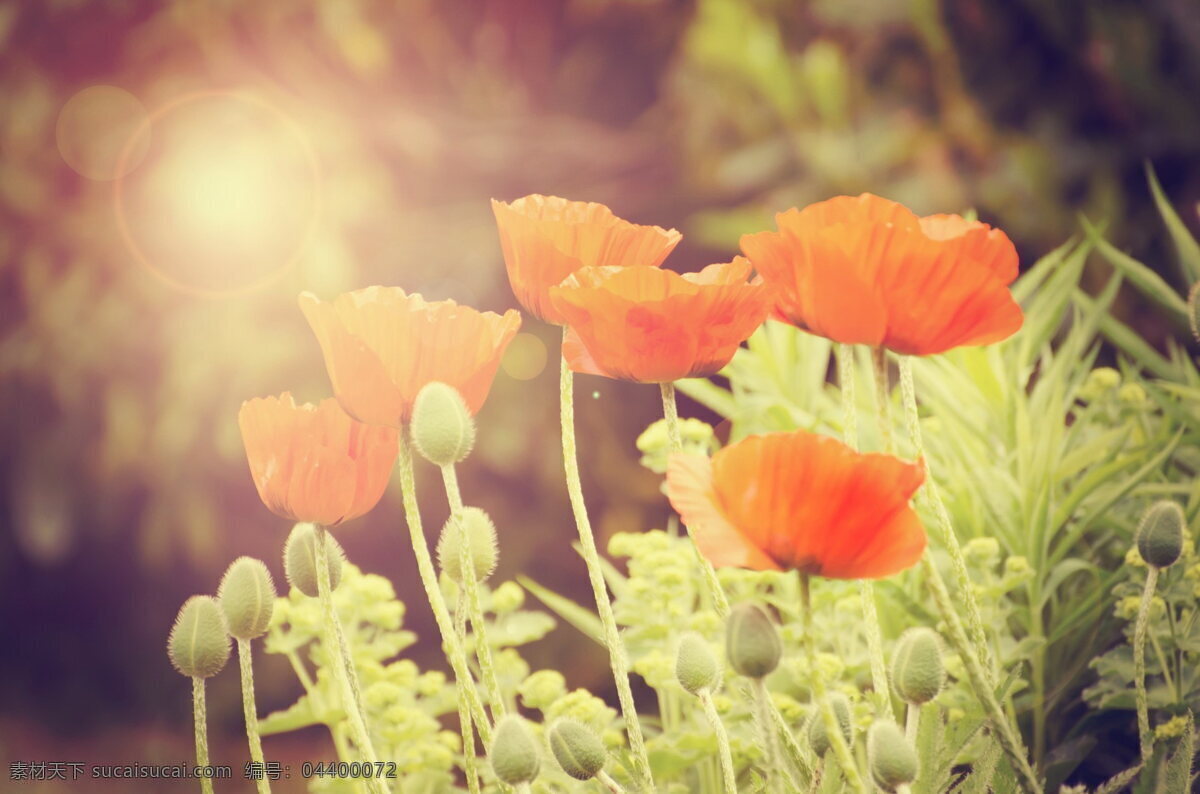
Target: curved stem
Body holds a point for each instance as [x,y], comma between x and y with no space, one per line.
[609,783]
[716,593]
[587,542]
[339,658]
[250,712]
[437,602]
[779,778]
[728,777]
[200,713]
[949,538]
[471,589]
[464,713]
[1145,737]
[866,589]
[834,731]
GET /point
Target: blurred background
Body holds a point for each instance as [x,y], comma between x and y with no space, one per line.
[174,172]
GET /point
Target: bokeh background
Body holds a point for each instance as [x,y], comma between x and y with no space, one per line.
[174,172]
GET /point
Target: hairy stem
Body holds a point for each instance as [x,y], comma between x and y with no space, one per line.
[834,731]
[779,778]
[339,658]
[716,593]
[587,543]
[470,587]
[610,784]
[1145,737]
[464,714]
[201,716]
[250,712]
[866,589]
[437,602]
[718,728]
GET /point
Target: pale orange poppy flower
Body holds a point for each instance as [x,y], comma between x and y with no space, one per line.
[655,326]
[313,462]
[800,500]
[382,346]
[866,270]
[547,238]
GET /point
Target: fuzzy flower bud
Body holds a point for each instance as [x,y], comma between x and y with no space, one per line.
[300,560]
[247,597]
[578,750]
[1160,535]
[890,756]
[442,426]
[818,738]
[918,673]
[752,642]
[514,753]
[696,664]
[481,540]
[199,643]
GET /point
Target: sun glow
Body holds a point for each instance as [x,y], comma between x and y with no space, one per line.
[226,198]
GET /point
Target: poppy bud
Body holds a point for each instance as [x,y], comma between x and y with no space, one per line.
[1160,535]
[890,756]
[918,673]
[514,754]
[752,642]
[247,597]
[481,539]
[696,664]
[818,738]
[578,750]
[442,427]
[199,642]
[300,560]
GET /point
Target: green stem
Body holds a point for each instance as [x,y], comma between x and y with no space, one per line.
[948,537]
[866,589]
[1145,737]
[587,543]
[464,714]
[437,602]
[834,731]
[912,721]
[1009,738]
[607,781]
[716,593]
[250,712]
[883,400]
[718,728]
[339,658]
[201,716]
[471,587]
[779,778]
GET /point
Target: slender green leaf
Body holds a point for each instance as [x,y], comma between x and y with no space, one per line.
[565,608]
[1185,245]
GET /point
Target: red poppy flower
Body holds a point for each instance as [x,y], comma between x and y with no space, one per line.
[546,238]
[868,271]
[382,345]
[800,500]
[654,326]
[313,462]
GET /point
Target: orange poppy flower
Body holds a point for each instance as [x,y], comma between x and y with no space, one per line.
[800,500]
[654,326]
[313,462]
[547,238]
[868,271]
[382,345]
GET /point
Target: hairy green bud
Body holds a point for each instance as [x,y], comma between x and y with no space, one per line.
[481,539]
[578,750]
[300,559]
[1160,535]
[514,754]
[752,642]
[918,673]
[198,645]
[442,427]
[247,597]
[818,738]
[890,757]
[696,664]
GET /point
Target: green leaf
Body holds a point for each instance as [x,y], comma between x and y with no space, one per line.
[1128,340]
[1146,280]
[565,608]
[300,714]
[1177,777]
[708,394]
[1185,245]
